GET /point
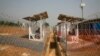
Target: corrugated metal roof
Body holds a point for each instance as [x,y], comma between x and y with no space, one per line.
[37,17]
[91,21]
[69,18]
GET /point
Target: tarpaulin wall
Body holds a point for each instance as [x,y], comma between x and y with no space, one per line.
[89,28]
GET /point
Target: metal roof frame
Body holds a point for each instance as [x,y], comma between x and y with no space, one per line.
[63,17]
[37,17]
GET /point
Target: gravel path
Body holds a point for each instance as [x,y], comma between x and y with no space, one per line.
[20,42]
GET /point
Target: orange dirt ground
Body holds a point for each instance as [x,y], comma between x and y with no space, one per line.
[9,50]
[13,30]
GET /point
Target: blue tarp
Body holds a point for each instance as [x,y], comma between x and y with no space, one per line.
[90,28]
[97,26]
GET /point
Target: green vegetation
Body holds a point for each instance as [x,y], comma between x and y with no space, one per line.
[9,23]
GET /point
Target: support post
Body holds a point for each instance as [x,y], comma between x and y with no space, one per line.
[41,33]
[29,32]
[77,33]
[68,25]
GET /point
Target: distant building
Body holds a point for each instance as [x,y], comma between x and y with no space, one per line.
[90,29]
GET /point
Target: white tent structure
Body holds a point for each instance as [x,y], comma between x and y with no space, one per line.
[69,27]
[39,18]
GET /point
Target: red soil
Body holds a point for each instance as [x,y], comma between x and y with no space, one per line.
[9,50]
[13,30]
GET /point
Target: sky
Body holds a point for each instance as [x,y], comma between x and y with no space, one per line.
[15,10]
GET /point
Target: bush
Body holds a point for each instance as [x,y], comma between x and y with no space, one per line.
[8,23]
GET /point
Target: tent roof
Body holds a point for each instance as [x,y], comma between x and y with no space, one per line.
[28,18]
[69,18]
[37,17]
[91,21]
